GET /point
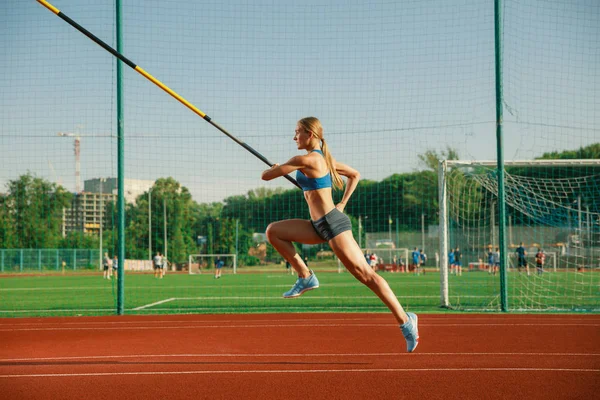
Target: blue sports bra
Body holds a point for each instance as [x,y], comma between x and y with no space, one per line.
[307,183]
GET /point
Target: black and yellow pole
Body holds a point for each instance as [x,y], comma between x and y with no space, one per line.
[157,83]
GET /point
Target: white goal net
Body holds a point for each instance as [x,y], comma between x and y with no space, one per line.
[552,205]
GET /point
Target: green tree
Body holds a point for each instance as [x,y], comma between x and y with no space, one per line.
[79,240]
[35,207]
[262,192]
[8,238]
[166,199]
[583,153]
[431,158]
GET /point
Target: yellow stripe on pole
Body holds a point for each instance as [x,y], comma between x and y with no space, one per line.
[170,91]
[49,6]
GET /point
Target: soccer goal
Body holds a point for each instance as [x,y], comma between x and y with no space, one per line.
[553,205]
[206,263]
[550,262]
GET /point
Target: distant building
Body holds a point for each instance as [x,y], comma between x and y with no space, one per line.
[133,187]
[88,214]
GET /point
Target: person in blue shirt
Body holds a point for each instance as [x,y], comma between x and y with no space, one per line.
[423,260]
[218,267]
[416,260]
[521,260]
[317,173]
[496,260]
[451,261]
[457,261]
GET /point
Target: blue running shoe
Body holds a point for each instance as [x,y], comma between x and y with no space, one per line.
[410,330]
[302,285]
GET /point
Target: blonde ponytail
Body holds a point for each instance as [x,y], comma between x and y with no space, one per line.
[336,179]
[314,126]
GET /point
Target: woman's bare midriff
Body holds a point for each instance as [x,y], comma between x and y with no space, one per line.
[319,202]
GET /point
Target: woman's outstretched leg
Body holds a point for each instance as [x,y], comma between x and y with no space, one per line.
[346,249]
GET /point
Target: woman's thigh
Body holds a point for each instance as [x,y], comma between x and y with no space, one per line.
[346,249]
[295,230]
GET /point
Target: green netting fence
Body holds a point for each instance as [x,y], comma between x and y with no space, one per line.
[398,86]
[49,260]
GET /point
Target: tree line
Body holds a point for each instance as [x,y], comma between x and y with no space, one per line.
[31,213]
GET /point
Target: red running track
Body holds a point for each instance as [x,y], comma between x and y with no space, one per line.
[300,356]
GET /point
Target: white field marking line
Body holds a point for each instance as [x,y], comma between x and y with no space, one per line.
[301,371]
[279,297]
[154,304]
[56,310]
[258,355]
[262,326]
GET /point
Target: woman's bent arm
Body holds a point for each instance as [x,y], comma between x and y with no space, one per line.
[351,183]
[280,170]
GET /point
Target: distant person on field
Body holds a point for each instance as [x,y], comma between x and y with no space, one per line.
[521,260]
[496,260]
[158,264]
[416,260]
[165,266]
[423,259]
[451,262]
[373,260]
[401,264]
[218,267]
[457,262]
[540,258]
[105,266]
[115,266]
[490,262]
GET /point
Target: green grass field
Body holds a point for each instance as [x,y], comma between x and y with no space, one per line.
[68,295]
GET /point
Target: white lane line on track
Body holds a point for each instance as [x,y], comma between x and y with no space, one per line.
[139,356]
[212,326]
[142,320]
[299,371]
[262,326]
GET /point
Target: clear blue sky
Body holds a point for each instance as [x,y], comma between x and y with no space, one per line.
[388,79]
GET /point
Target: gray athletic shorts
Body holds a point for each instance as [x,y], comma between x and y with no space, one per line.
[332,224]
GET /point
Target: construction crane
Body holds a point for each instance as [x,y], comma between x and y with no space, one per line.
[77,149]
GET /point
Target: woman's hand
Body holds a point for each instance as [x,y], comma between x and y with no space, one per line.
[267,175]
[340,206]
[277,170]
